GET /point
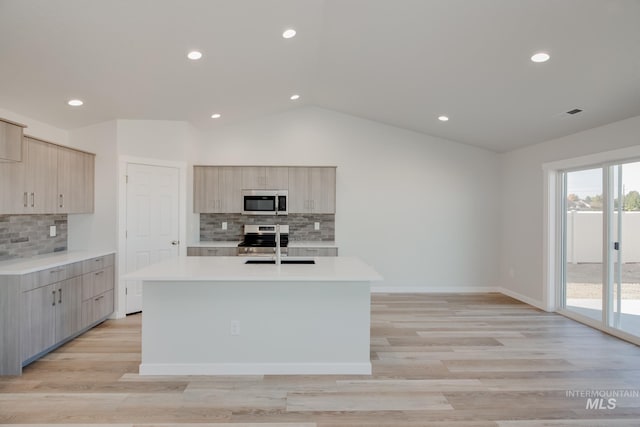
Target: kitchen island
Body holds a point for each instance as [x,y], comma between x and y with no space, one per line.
[221,316]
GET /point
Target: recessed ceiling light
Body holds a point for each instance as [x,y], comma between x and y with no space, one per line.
[75,102]
[289,33]
[443,118]
[194,55]
[215,116]
[294,97]
[540,57]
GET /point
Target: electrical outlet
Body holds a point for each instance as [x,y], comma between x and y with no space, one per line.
[235,327]
[224,225]
[52,231]
[316,226]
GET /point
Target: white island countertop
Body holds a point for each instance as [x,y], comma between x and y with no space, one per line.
[226,269]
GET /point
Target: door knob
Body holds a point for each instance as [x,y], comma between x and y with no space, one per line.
[175,242]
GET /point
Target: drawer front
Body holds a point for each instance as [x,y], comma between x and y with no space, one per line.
[313,251]
[102,305]
[42,278]
[103,280]
[97,263]
[233,251]
[97,282]
[97,308]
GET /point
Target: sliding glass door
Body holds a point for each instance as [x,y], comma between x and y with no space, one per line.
[625,289]
[601,246]
[584,270]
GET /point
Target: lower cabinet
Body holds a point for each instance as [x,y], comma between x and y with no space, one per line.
[97,295]
[293,251]
[38,326]
[53,306]
[51,314]
[200,251]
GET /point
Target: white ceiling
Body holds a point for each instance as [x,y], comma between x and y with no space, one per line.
[401,62]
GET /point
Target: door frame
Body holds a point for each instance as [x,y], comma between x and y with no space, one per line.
[123,162]
[553,231]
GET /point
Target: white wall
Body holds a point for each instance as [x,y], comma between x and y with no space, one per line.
[37,128]
[98,230]
[422,210]
[521,261]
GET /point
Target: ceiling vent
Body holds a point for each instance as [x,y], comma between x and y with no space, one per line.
[574,111]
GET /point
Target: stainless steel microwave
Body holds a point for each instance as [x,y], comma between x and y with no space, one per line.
[265,202]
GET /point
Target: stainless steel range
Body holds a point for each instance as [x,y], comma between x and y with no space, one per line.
[260,240]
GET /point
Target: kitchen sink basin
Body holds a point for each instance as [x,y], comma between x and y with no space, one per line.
[284,261]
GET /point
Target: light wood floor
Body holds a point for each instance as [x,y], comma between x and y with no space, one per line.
[444,360]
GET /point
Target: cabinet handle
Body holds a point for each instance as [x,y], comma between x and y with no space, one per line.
[54,298]
[100,272]
[59,270]
[33,199]
[61,201]
[99,298]
[60,296]
[26,202]
[98,260]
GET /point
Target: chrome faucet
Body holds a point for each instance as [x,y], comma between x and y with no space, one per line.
[278,254]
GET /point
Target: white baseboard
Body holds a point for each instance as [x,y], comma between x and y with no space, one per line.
[525,299]
[432,290]
[457,290]
[255,368]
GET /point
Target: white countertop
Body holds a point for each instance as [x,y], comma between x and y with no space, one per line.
[291,244]
[219,269]
[20,266]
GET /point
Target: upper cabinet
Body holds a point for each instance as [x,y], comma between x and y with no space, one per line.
[75,181]
[312,190]
[10,141]
[265,178]
[217,189]
[49,179]
[41,168]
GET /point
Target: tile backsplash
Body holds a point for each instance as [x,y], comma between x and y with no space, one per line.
[23,236]
[301,226]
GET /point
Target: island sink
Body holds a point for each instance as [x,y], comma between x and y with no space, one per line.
[284,261]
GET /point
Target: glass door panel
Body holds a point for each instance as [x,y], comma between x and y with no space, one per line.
[583,242]
[625,257]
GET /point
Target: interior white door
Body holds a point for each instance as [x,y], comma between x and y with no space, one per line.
[152,221]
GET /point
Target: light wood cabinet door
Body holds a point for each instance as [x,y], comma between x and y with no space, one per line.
[13,191]
[265,178]
[38,328]
[299,189]
[323,190]
[205,189]
[253,178]
[68,307]
[312,190]
[41,176]
[230,189]
[75,174]
[10,142]
[276,178]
